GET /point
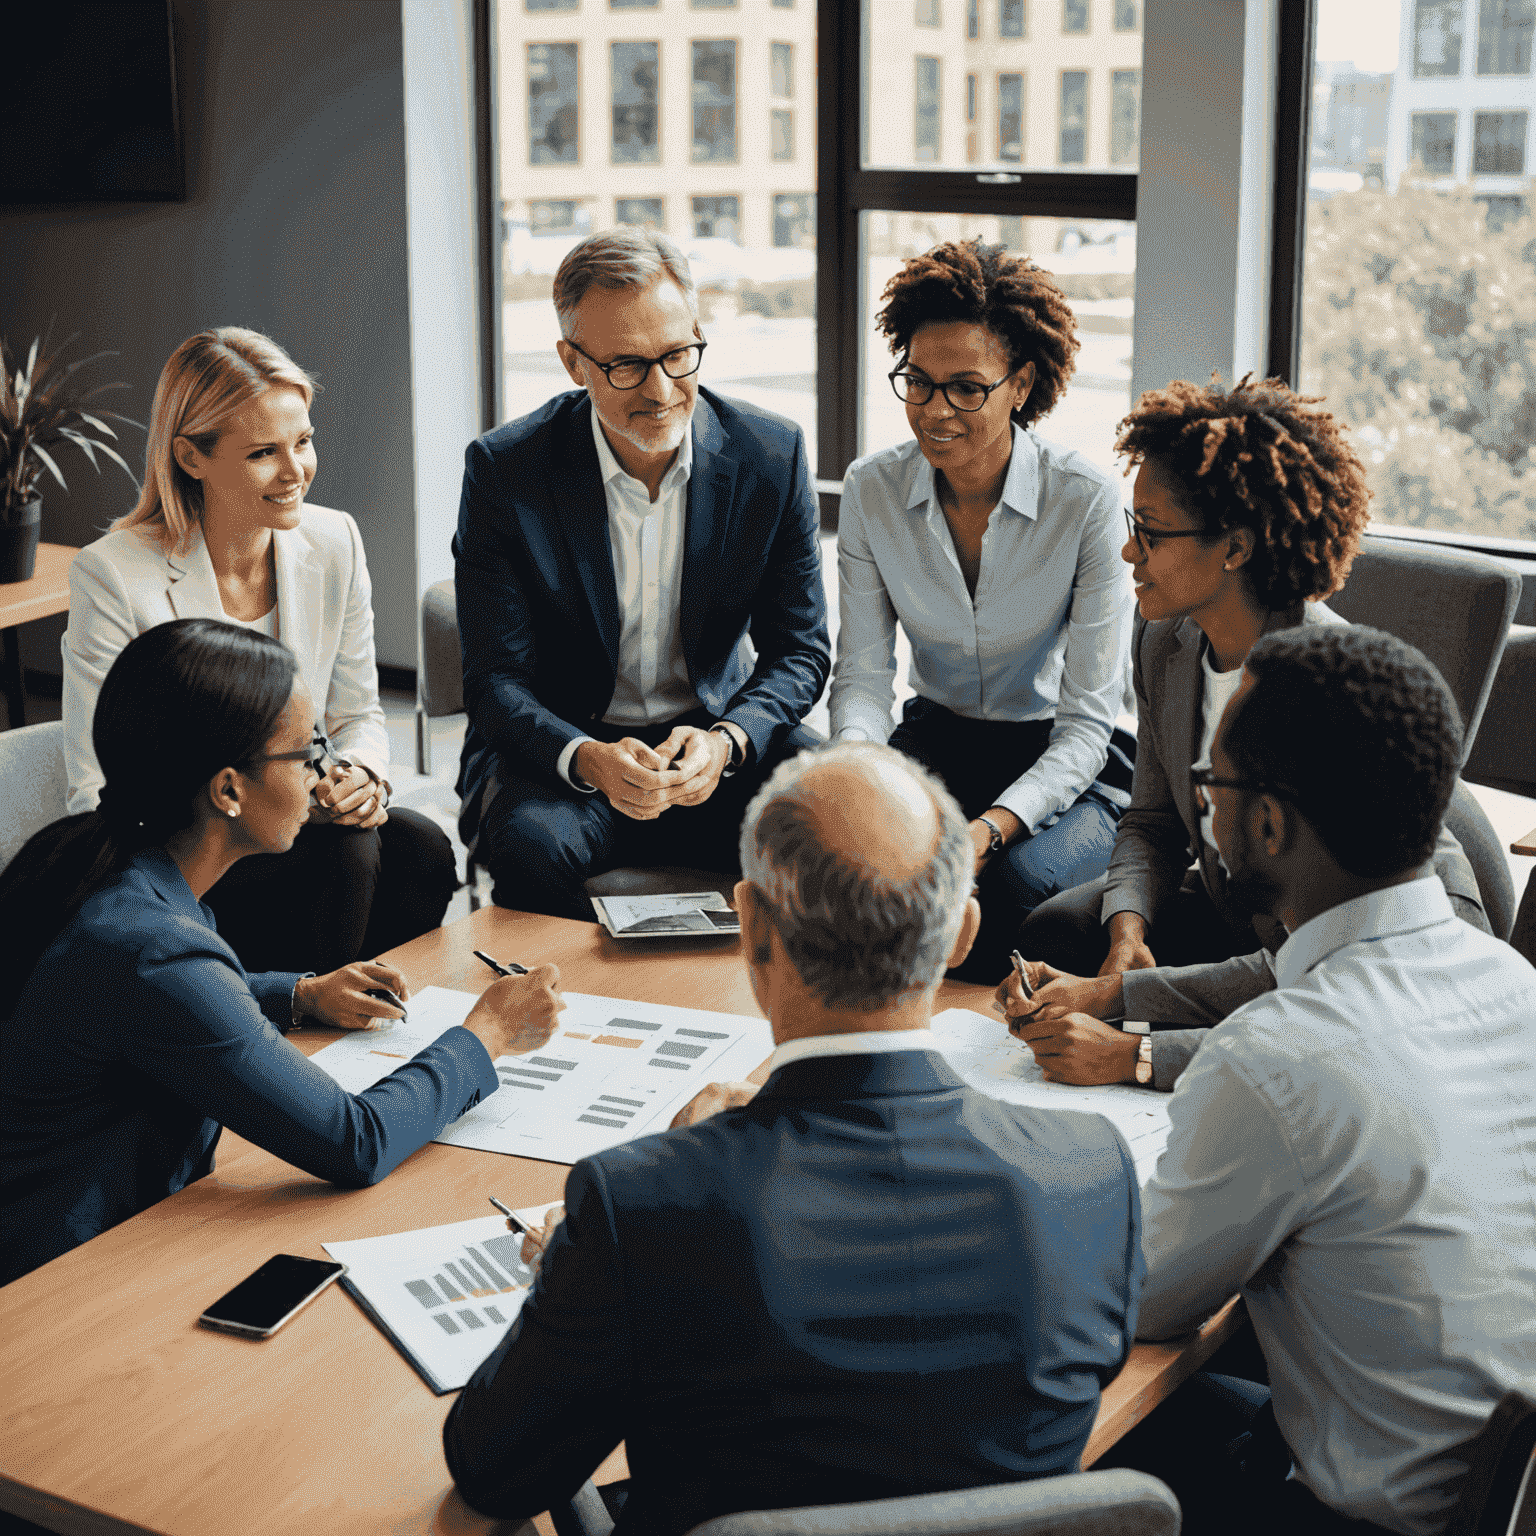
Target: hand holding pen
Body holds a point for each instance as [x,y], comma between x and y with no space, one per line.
[517,1012]
[534,1243]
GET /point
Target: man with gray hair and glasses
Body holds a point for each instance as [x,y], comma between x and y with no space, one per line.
[639,596]
[866,1280]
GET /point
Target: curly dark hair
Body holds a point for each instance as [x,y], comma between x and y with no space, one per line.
[1256,456]
[1017,301]
[1378,795]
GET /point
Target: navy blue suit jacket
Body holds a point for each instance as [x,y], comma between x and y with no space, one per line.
[139,1035]
[539,609]
[871,1281]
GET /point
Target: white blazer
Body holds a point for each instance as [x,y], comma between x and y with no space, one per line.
[125,583]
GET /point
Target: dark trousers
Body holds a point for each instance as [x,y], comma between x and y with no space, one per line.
[339,894]
[978,760]
[1066,931]
[542,840]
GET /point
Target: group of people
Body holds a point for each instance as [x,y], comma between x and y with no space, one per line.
[865,1279]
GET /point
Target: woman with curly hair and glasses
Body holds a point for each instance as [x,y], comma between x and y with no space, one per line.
[997,552]
[1249,507]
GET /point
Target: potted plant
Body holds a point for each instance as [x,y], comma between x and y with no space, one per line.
[43,407]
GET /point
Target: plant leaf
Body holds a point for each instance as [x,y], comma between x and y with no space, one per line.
[86,445]
[114,455]
[98,423]
[47,459]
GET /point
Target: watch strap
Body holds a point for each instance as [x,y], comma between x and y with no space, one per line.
[996,844]
[1144,1061]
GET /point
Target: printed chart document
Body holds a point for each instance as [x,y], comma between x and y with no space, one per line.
[653,917]
[983,1052]
[612,1071]
[445,1296]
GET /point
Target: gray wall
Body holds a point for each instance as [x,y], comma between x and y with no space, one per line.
[293,118]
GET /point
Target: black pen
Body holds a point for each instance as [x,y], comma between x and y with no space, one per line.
[384,995]
[512,1220]
[1018,965]
[511,968]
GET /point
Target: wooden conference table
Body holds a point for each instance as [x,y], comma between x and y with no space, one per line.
[122,1415]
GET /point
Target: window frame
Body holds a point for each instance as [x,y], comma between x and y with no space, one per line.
[659,44]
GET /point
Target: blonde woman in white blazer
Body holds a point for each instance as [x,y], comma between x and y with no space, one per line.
[223,531]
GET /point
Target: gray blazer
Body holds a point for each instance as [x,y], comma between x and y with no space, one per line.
[1160,834]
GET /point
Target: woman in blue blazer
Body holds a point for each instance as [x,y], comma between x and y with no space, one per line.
[131,1033]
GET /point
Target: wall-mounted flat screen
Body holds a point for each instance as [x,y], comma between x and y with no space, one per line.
[88,111]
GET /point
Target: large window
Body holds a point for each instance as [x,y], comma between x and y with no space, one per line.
[636,72]
[714,101]
[552,98]
[1419,270]
[1504,30]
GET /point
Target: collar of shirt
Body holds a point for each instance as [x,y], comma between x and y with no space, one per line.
[608,466]
[1397,909]
[862,1042]
[1021,487]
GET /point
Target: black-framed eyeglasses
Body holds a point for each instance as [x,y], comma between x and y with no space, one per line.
[962,394]
[1204,778]
[1146,539]
[315,756]
[632,372]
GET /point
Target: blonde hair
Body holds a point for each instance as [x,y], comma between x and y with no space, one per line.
[208,378]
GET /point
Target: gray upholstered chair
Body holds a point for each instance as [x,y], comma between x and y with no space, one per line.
[1112,1503]
[1454,606]
[1472,829]
[440,678]
[33,783]
[1504,754]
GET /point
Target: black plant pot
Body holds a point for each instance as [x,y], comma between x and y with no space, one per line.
[18,542]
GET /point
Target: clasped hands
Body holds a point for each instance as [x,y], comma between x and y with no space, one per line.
[641,782]
[349,797]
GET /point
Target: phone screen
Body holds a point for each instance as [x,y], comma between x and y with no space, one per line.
[273,1293]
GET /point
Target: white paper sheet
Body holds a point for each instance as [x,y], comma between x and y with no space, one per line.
[641,916]
[445,1295]
[613,1071]
[983,1052]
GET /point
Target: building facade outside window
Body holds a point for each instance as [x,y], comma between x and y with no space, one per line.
[1437,28]
[1498,143]
[926,108]
[1010,118]
[1434,143]
[1504,29]
[713,5]
[717,218]
[927,13]
[1127,15]
[1124,116]
[552,104]
[647,212]
[549,5]
[794,221]
[1073,148]
[781,70]
[973,18]
[636,72]
[1074,16]
[781,133]
[1010,18]
[633,5]
[714,101]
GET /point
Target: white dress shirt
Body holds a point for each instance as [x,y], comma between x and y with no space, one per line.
[1046,637]
[861,1042]
[1216,695]
[1357,1152]
[647,541]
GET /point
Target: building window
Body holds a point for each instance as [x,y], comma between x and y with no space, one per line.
[781,70]
[794,220]
[927,13]
[1074,15]
[927,108]
[713,5]
[1074,117]
[717,218]
[714,101]
[1434,143]
[1010,118]
[636,67]
[1127,15]
[1010,18]
[1504,36]
[1436,38]
[1124,116]
[551,215]
[633,5]
[970,98]
[784,5]
[647,212]
[1498,143]
[552,116]
[549,5]
[973,18]
[781,133]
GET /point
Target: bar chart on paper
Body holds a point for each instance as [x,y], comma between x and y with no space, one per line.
[613,1071]
[983,1052]
[444,1295]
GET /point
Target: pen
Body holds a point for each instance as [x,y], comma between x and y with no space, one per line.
[1018,965]
[512,1221]
[511,968]
[384,995]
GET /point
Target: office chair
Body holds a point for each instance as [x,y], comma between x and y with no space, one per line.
[33,783]
[1499,1495]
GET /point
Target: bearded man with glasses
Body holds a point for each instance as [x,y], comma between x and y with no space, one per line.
[639,596]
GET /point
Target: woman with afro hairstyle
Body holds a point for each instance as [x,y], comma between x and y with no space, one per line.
[997,552]
[1249,507]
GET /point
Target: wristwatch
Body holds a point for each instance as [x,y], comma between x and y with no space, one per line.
[997,840]
[1144,1061]
[737,756]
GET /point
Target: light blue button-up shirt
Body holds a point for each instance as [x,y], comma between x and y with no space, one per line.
[1047,635]
[1356,1151]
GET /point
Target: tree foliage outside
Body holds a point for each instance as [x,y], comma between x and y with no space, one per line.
[1419,326]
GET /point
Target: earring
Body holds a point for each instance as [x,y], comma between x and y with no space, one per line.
[234,810]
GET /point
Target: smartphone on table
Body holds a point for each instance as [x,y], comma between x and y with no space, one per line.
[266,1299]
